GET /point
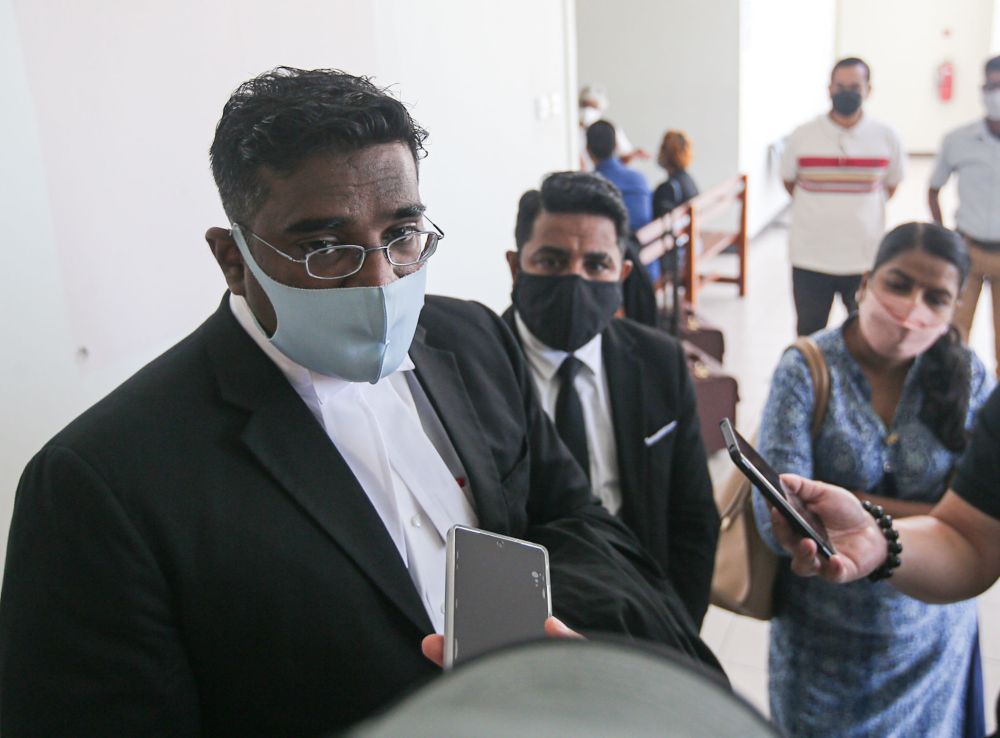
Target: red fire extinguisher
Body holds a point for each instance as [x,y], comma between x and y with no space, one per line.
[945,81]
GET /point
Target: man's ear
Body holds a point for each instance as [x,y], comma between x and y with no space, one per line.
[229,258]
[626,269]
[514,262]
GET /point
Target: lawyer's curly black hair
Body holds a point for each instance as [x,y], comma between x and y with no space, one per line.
[280,118]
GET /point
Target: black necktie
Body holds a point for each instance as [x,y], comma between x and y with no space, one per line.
[569,413]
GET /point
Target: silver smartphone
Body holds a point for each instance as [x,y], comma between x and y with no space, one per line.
[760,473]
[496,593]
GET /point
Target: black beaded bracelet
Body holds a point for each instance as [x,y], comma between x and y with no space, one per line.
[895,548]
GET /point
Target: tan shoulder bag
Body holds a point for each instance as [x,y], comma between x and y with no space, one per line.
[745,568]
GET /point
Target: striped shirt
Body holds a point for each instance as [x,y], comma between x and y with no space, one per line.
[841,174]
[838,206]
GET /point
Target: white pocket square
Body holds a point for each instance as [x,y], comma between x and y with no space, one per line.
[664,431]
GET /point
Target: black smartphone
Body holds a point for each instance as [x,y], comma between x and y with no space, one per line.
[767,481]
[496,593]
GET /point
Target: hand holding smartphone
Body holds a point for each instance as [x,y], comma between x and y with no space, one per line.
[496,593]
[746,458]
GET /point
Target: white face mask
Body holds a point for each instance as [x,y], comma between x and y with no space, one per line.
[360,334]
[589,116]
[991,101]
[896,327]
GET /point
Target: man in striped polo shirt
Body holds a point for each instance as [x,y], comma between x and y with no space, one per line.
[840,169]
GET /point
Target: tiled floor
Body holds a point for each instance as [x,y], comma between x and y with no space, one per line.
[757,329]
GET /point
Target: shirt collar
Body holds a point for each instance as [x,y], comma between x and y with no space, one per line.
[546,360]
[610,164]
[835,126]
[303,380]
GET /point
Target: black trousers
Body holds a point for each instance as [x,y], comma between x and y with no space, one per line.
[813,294]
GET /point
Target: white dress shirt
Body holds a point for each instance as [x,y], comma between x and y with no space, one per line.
[591,385]
[384,432]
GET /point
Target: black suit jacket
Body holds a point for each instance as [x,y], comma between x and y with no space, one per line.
[192,556]
[638,295]
[666,489]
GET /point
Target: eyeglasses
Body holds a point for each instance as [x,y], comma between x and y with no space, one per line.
[340,261]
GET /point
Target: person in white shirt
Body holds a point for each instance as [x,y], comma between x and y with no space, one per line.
[840,169]
[619,392]
[973,153]
[593,103]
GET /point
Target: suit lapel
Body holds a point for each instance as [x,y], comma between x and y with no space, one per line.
[440,378]
[508,318]
[628,415]
[285,438]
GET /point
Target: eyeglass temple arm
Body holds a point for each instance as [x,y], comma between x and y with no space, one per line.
[275,249]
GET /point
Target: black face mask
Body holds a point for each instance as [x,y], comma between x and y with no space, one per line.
[846,102]
[566,312]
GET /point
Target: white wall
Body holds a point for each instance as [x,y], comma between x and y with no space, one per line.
[995,36]
[783,74]
[38,363]
[905,41]
[107,193]
[667,65]
[737,75]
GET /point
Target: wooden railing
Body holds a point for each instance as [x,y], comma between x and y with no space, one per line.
[683,226]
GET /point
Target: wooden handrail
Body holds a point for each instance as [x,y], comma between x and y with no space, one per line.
[727,190]
[682,225]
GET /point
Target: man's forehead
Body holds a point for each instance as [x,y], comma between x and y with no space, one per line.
[850,74]
[392,161]
[380,178]
[334,218]
[586,231]
[575,221]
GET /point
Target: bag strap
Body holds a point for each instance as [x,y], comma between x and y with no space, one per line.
[737,489]
[820,374]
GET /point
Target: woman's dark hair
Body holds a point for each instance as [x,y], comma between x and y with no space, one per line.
[945,370]
[282,117]
[572,192]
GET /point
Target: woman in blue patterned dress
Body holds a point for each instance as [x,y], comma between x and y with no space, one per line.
[863,659]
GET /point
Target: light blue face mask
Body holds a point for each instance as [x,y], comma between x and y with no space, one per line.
[360,334]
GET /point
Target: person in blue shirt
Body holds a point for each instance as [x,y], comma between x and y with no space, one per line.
[601,143]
